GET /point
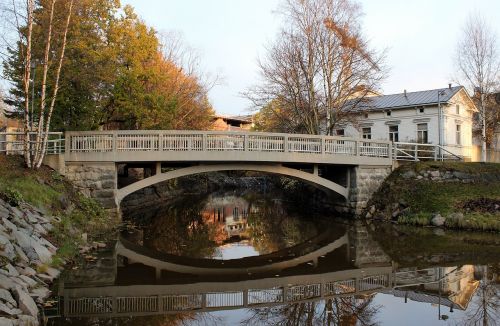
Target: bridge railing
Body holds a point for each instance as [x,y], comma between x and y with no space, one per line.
[12,143]
[422,152]
[127,141]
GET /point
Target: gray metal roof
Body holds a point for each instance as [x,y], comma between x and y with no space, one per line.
[409,99]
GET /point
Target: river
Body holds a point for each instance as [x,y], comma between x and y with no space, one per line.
[239,257]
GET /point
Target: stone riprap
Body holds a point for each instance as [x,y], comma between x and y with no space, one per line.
[25,255]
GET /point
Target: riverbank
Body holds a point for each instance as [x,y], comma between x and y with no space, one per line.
[44,225]
[455,195]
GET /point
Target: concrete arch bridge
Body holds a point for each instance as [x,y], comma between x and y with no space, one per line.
[352,168]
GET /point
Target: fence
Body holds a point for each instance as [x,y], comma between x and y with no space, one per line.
[12,143]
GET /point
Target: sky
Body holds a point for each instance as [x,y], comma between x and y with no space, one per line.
[229,36]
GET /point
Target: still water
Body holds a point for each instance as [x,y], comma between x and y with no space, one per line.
[241,258]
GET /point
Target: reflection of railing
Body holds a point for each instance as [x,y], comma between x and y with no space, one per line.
[239,296]
[12,143]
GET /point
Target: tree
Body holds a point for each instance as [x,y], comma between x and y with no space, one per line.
[37,122]
[117,74]
[319,68]
[478,67]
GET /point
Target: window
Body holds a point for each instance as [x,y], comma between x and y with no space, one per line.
[388,113]
[393,133]
[340,132]
[367,133]
[421,110]
[459,134]
[235,213]
[457,109]
[422,133]
[366,115]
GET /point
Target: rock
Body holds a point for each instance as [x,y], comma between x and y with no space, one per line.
[26,303]
[4,310]
[6,322]
[4,212]
[28,320]
[7,297]
[22,238]
[7,250]
[12,271]
[395,214]
[456,216]
[435,174]
[31,282]
[52,272]
[419,177]
[6,282]
[409,174]
[373,209]
[43,253]
[27,271]
[438,220]
[45,278]
[20,253]
[8,224]
[368,215]
[41,293]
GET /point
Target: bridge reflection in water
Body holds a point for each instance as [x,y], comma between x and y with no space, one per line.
[326,268]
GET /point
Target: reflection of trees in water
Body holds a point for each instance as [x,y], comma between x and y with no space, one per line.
[160,320]
[273,228]
[180,230]
[485,307]
[336,311]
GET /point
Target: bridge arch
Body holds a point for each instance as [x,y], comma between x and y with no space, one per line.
[310,178]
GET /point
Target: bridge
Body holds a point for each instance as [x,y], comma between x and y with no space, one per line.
[351,168]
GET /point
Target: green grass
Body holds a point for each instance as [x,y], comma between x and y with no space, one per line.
[424,198]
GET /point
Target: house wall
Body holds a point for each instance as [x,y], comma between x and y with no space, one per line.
[407,119]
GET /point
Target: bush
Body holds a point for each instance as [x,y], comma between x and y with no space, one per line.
[12,196]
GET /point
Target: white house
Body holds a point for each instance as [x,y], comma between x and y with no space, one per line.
[438,116]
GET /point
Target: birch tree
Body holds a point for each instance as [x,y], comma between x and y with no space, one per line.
[319,68]
[36,121]
[478,67]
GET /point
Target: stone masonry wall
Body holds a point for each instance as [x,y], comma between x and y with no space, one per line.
[96,180]
[364,182]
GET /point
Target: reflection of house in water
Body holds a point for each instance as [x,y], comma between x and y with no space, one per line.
[230,214]
[453,287]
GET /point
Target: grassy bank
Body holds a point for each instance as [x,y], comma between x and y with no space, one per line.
[465,195]
[45,189]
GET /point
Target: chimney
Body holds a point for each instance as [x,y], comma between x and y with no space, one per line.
[449,85]
[405,92]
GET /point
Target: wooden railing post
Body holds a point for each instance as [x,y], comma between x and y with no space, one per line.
[67,145]
[204,142]
[245,143]
[358,148]
[285,144]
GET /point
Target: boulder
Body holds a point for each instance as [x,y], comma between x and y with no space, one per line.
[6,282]
[438,220]
[6,322]
[456,216]
[26,303]
[7,297]
[28,320]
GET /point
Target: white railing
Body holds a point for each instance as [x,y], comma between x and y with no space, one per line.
[156,303]
[214,141]
[422,152]
[12,143]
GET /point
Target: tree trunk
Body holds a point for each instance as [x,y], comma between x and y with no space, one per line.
[56,88]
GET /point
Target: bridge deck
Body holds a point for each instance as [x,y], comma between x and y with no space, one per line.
[212,146]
